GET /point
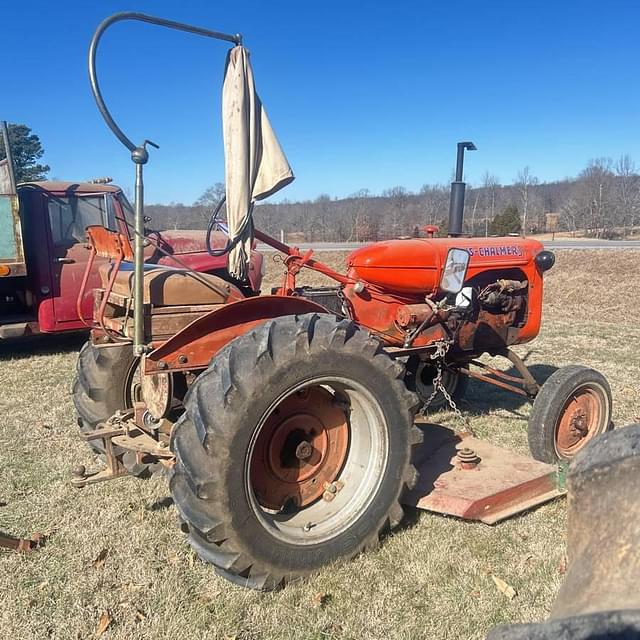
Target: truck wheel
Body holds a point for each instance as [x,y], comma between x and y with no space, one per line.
[572,407]
[104,382]
[419,378]
[293,450]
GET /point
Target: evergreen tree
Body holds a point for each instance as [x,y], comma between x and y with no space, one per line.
[26,150]
[506,222]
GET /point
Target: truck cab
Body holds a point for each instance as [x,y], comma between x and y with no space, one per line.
[44,252]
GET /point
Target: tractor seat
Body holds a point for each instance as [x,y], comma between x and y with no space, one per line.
[169,287]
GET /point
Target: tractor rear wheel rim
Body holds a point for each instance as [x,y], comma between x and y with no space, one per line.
[316,460]
[581,419]
[300,449]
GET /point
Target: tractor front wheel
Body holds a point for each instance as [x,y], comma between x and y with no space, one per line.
[572,407]
[294,450]
[419,378]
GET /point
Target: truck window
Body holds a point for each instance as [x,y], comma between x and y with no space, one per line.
[69,217]
[129,215]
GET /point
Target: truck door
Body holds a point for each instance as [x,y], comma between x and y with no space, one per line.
[69,216]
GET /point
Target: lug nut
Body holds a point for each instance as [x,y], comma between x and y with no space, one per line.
[304,450]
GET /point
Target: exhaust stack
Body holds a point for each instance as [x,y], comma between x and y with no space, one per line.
[456,204]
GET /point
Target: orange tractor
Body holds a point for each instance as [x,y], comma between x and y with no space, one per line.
[287,422]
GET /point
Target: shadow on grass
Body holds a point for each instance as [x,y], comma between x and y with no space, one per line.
[160,504]
[41,345]
[481,397]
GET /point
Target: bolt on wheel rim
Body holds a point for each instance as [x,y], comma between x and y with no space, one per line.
[582,418]
[316,460]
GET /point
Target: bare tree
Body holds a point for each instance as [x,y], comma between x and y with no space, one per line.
[596,195]
[357,214]
[434,202]
[490,186]
[211,196]
[524,182]
[398,197]
[628,193]
[207,202]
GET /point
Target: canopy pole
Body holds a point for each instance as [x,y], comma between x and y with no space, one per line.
[139,153]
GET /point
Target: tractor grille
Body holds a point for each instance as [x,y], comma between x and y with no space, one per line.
[328,297]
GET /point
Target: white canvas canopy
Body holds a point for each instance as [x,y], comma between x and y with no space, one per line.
[255,165]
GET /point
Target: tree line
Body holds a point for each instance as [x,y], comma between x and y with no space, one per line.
[603,201]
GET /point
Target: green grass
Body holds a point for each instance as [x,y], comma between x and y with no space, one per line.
[432,578]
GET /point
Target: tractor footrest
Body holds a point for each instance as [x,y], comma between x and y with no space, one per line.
[476,480]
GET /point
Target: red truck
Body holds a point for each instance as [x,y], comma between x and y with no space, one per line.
[43,251]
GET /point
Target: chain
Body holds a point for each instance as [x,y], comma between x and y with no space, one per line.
[438,355]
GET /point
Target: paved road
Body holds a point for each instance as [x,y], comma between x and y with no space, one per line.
[557,244]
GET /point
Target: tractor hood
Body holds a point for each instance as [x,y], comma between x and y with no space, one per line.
[414,266]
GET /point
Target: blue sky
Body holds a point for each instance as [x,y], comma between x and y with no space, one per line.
[361,94]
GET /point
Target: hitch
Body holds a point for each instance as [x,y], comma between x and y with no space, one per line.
[114,468]
[122,431]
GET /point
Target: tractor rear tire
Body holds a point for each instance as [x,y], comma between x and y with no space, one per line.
[294,450]
[104,379]
[571,408]
[419,376]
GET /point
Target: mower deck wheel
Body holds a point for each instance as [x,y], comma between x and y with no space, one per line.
[572,407]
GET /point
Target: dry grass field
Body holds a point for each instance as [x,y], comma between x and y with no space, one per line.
[431,579]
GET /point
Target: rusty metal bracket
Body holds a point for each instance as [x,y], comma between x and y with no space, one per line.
[528,387]
[114,468]
[21,545]
[140,442]
[493,381]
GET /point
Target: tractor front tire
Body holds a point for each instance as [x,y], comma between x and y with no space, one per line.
[293,451]
[571,408]
[419,379]
[103,385]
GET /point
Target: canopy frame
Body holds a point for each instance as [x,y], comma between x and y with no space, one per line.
[139,153]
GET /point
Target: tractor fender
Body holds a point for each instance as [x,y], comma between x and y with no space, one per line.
[193,347]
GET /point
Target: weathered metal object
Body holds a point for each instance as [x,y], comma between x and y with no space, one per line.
[157,391]
[22,545]
[414,314]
